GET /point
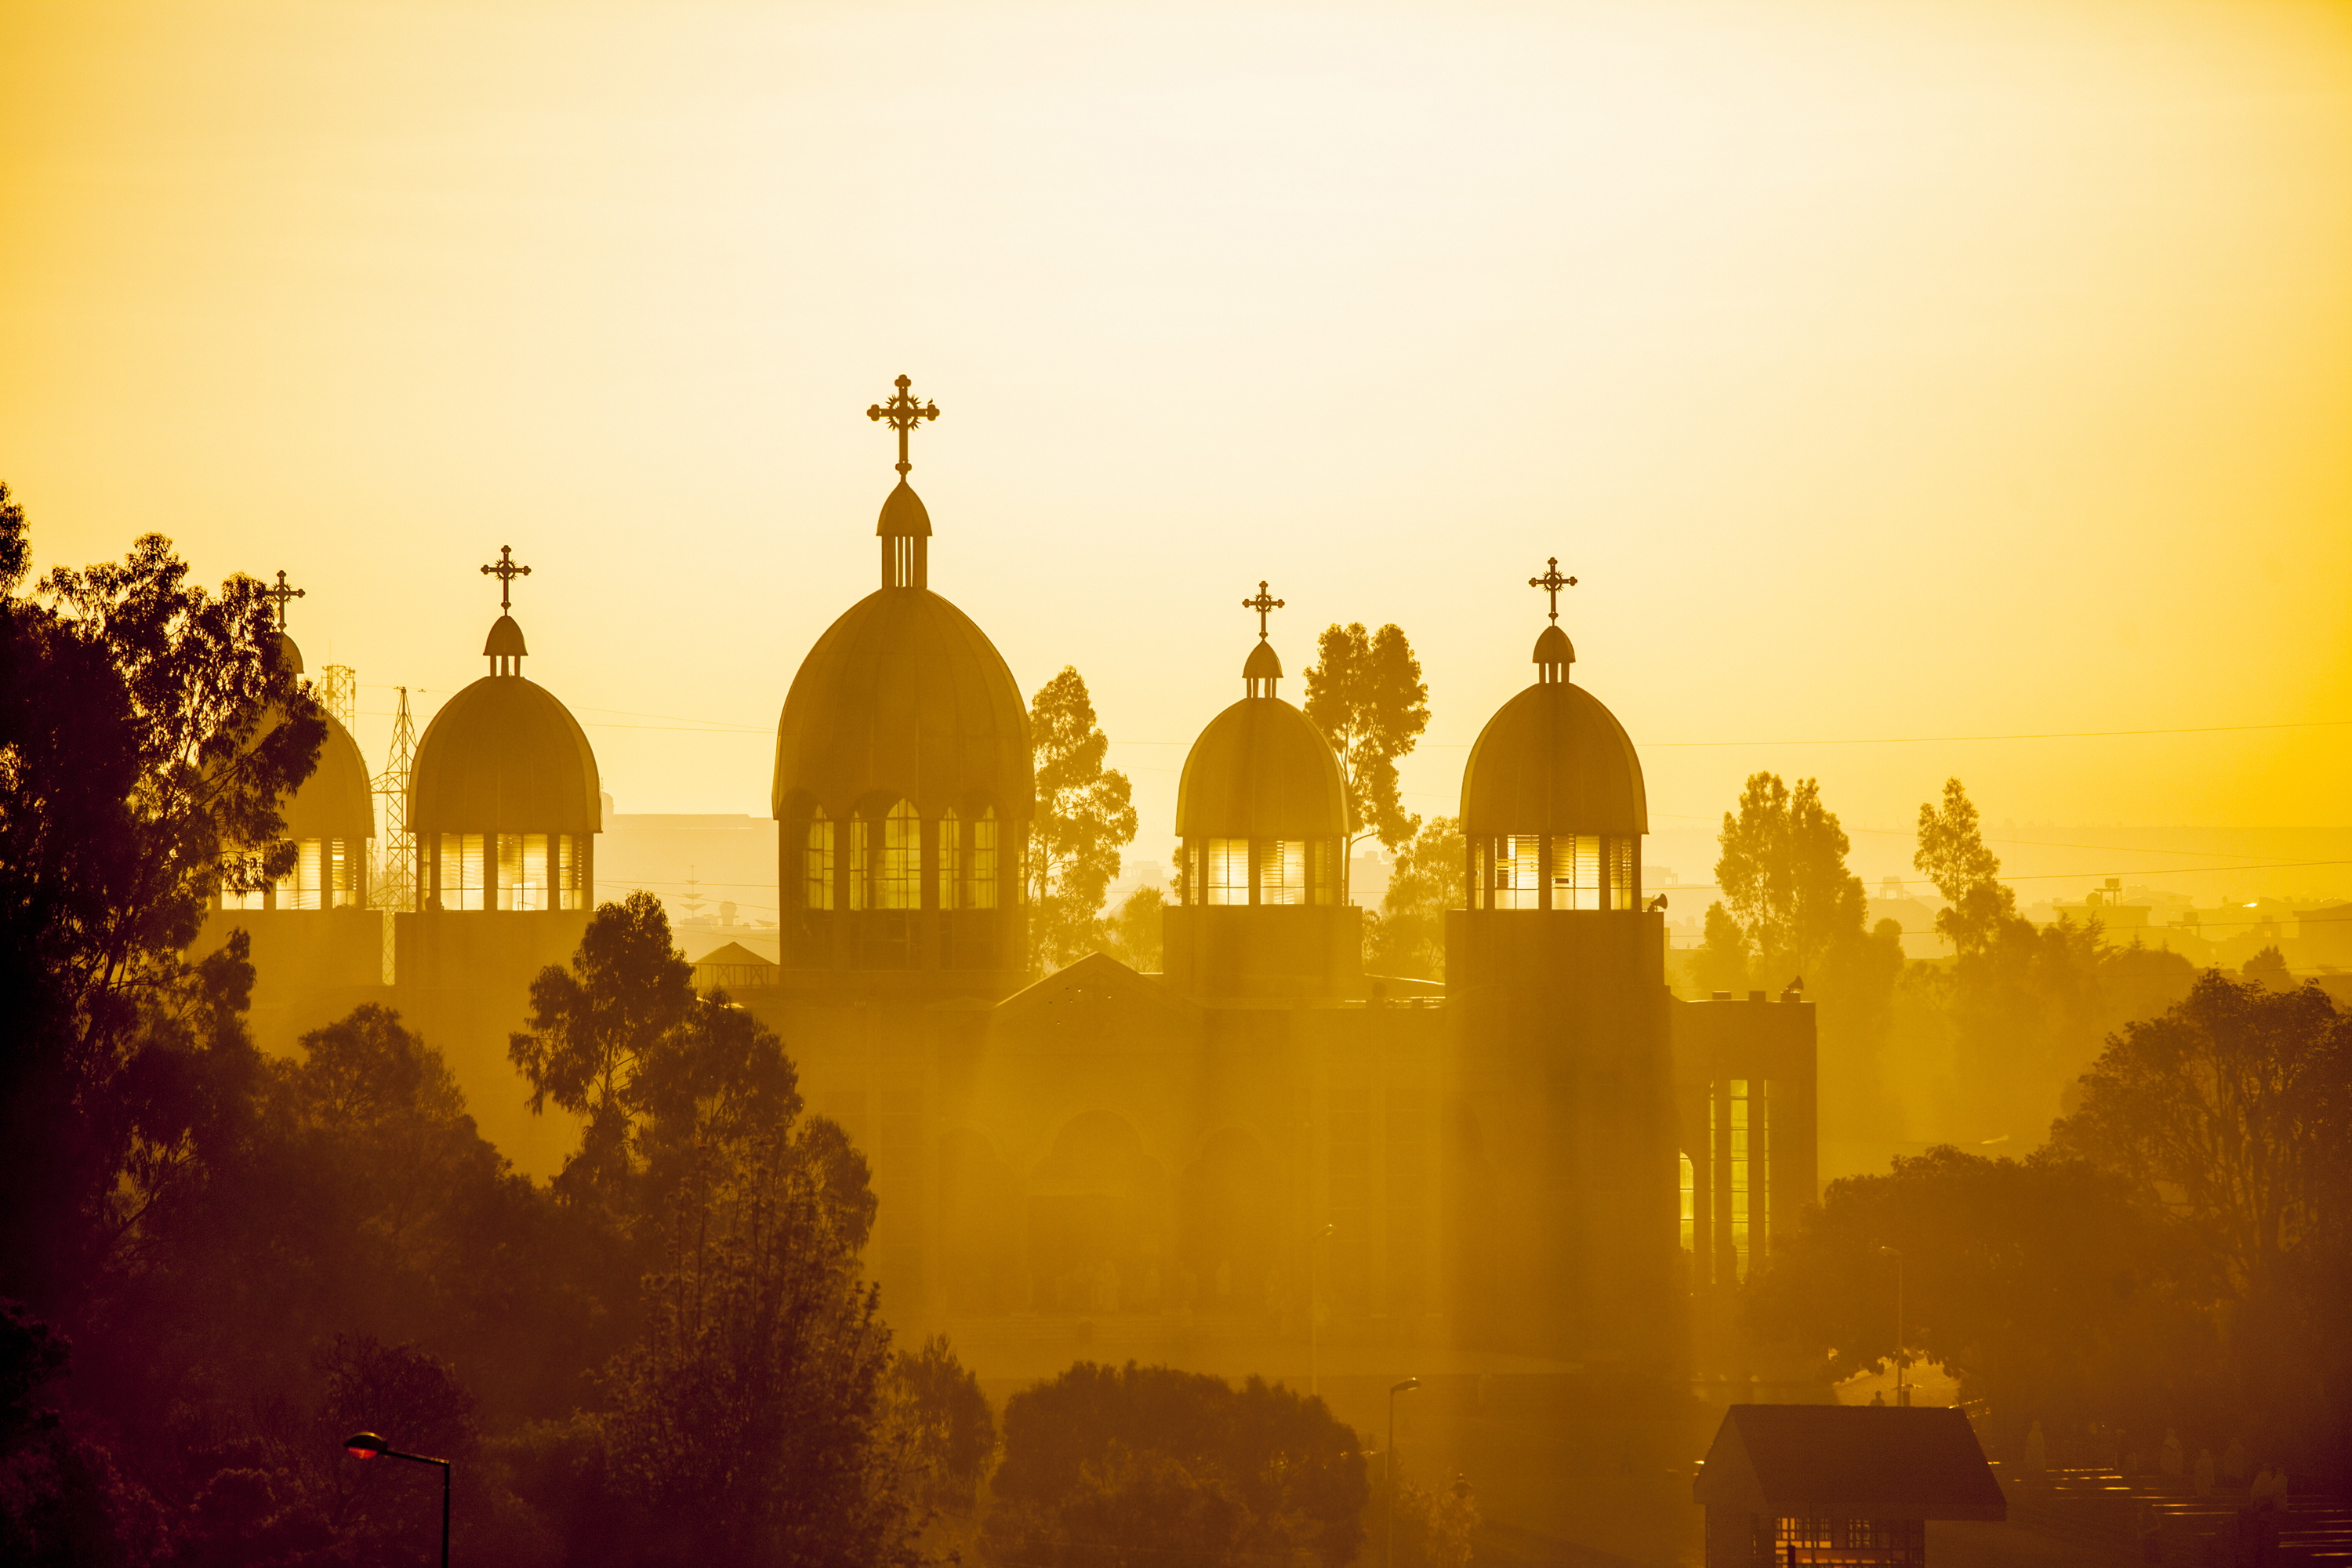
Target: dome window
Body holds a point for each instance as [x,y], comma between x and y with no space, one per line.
[816,862]
[525,882]
[1226,874]
[887,859]
[1557,871]
[950,861]
[985,859]
[1282,872]
[457,869]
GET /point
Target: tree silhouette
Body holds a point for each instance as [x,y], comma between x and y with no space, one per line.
[149,734]
[1366,693]
[1083,817]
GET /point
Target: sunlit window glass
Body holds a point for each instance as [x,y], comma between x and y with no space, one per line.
[1624,886]
[1518,872]
[460,857]
[1227,870]
[1282,871]
[950,862]
[985,872]
[816,864]
[898,869]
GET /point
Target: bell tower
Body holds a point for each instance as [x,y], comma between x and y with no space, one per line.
[1565,1237]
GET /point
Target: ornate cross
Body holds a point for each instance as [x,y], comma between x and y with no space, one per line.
[903,414]
[280,595]
[1265,604]
[1551,583]
[506,571]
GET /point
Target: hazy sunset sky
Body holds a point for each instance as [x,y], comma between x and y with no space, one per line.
[1881,369]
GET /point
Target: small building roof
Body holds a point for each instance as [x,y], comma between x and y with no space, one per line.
[1856,1461]
[733,954]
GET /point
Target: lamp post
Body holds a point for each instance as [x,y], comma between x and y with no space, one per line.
[367,1445]
[1902,1394]
[1388,1557]
[1314,1313]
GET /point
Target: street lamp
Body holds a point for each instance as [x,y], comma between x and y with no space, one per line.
[1407,1386]
[367,1445]
[1902,1394]
[1314,1311]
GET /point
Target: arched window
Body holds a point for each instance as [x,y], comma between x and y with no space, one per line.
[985,849]
[897,860]
[816,862]
[950,861]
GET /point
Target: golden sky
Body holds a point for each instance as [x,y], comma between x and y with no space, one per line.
[1883,369]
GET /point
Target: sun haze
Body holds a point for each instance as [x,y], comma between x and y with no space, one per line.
[1931,370]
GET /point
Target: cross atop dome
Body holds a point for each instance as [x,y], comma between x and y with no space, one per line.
[1551,583]
[280,595]
[903,414]
[1265,604]
[506,571]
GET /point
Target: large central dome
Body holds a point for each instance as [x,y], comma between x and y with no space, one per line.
[904,698]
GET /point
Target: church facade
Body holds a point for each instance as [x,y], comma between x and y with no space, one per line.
[1545,1162]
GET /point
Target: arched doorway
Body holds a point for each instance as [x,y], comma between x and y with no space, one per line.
[1097,1220]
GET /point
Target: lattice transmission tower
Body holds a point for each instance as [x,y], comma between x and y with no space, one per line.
[394,884]
[339,693]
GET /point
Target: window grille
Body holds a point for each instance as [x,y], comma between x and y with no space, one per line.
[1849,1543]
[984,868]
[569,872]
[1624,885]
[950,862]
[1518,872]
[1576,872]
[1690,1206]
[1227,870]
[899,865]
[1743,1130]
[1321,877]
[299,889]
[460,870]
[1282,871]
[816,863]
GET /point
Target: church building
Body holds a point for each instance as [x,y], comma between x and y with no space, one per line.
[1546,1161]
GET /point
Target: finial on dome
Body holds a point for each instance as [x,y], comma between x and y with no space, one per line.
[280,595]
[1551,583]
[505,647]
[905,526]
[1264,665]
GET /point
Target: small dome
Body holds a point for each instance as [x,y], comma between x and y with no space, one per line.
[1553,651]
[338,800]
[1261,770]
[289,656]
[903,514]
[505,639]
[504,756]
[1553,760]
[904,696]
[1262,664]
